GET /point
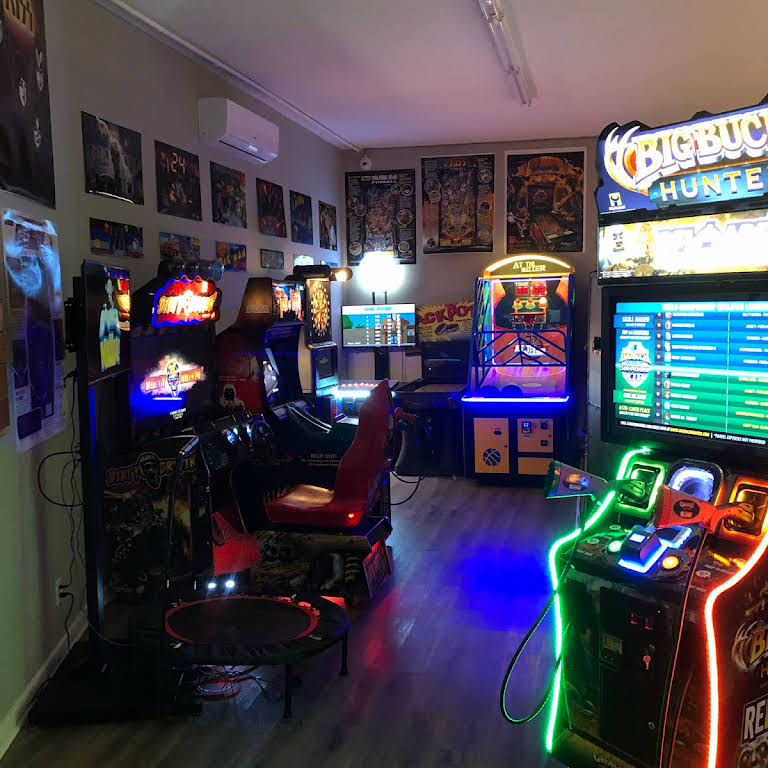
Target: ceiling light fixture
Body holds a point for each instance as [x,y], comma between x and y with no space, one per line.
[506,47]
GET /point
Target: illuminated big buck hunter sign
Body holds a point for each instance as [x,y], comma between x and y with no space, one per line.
[185,301]
[713,159]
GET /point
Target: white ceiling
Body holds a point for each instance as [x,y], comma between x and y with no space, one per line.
[384,73]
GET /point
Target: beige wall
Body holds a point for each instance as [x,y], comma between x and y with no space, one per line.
[443,277]
[100,64]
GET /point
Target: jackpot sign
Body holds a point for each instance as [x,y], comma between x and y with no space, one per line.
[718,158]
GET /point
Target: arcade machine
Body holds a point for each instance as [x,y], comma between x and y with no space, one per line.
[265,380]
[379,328]
[433,444]
[660,591]
[316,369]
[319,364]
[172,395]
[518,414]
[282,343]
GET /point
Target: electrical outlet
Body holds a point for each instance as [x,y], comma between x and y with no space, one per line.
[59,590]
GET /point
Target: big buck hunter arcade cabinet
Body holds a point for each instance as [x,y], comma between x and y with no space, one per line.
[662,590]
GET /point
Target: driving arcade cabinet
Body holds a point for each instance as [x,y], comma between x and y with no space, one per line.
[517,402]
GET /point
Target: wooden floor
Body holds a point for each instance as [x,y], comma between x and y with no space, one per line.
[426,660]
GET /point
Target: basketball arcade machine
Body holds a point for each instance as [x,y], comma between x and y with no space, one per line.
[664,598]
[517,402]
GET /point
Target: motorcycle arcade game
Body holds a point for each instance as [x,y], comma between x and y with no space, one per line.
[517,411]
[661,609]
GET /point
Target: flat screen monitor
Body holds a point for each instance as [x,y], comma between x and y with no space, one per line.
[173,381]
[687,369]
[288,302]
[379,325]
[107,304]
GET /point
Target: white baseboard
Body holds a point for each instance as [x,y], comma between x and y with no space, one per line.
[14,718]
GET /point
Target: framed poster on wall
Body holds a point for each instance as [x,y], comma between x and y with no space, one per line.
[457,203]
[545,201]
[327,215]
[26,146]
[184,247]
[301,218]
[271,259]
[233,256]
[112,157]
[111,238]
[178,182]
[381,214]
[228,196]
[269,198]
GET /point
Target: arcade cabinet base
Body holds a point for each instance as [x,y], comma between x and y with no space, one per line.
[129,686]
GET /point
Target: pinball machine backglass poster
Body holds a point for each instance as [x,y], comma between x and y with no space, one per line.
[545,201]
[457,203]
[381,214]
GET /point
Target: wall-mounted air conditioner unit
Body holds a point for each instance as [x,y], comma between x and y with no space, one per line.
[233,128]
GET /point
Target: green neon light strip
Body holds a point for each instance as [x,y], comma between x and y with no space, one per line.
[599,512]
[637,511]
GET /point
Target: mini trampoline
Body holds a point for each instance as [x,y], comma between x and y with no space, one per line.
[252,630]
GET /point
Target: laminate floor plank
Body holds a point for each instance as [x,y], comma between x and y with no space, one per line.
[426,660]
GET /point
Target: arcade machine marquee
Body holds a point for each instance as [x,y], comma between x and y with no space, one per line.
[516,402]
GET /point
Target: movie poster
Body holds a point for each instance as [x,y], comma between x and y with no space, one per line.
[381,214]
[112,156]
[36,327]
[184,247]
[178,182]
[327,215]
[110,238]
[269,198]
[301,218]
[457,202]
[232,256]
[26,146]
[545,201]
[228,196]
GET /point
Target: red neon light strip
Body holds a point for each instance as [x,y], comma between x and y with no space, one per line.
[714,681]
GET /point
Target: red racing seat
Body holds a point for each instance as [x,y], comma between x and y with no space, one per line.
[357,476]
